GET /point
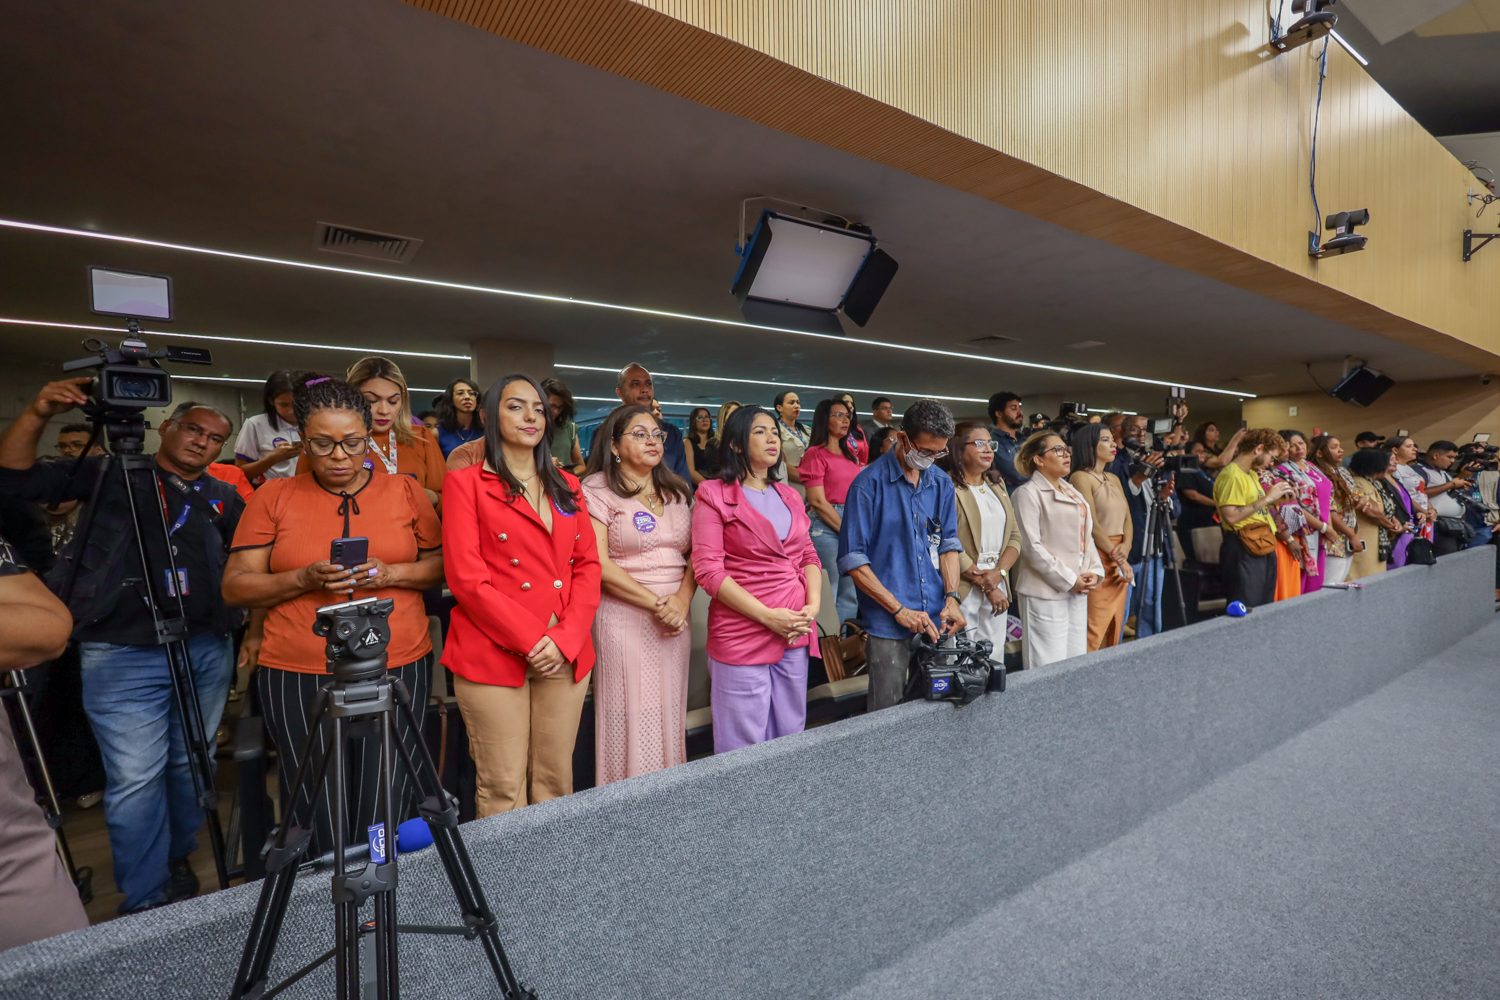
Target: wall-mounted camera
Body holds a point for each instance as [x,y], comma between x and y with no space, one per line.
[1345,239]
[1316,21]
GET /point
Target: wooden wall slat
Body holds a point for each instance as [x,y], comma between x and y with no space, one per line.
[1151,124]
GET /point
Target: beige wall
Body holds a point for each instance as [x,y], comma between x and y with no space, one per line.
[1452,409]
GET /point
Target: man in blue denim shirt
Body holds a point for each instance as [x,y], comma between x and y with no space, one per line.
[899,543]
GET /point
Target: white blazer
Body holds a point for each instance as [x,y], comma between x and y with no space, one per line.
[1057,539]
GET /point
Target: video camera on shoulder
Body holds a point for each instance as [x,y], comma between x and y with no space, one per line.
[955,668]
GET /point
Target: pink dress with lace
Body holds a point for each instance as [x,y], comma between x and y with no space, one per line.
[641,676]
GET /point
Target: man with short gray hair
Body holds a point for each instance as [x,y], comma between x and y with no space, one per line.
[899,543]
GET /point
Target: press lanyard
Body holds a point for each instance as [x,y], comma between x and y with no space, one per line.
[390,462]
[187,508]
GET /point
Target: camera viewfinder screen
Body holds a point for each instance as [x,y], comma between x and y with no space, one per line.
[130,293]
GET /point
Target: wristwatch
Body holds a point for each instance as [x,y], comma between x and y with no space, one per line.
[953,595]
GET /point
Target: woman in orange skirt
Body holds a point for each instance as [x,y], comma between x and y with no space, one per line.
[1093,449]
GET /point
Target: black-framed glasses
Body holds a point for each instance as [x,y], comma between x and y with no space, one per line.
[1060,450]
[353,447]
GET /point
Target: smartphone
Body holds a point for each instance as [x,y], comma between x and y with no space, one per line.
[349,552]
[1403,433]
[1482,438]
[1244,425]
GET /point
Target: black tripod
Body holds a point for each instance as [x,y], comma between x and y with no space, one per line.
[362,700]
[1158,542]
[126,433]
[19,689]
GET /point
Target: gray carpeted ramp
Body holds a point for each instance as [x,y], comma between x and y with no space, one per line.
[827,861]
[1358,859]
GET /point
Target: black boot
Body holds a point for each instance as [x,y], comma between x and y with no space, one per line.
[184,881]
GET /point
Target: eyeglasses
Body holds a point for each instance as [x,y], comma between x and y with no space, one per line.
[322,447]
[639,435]
[193,430]
[982,445]
[1061,451]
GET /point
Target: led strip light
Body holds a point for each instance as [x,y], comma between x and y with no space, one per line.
[464,357]
[568,300]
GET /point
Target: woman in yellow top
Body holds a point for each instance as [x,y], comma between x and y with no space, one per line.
[1093,450]
[396,446]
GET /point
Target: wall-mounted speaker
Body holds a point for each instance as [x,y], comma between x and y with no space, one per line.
[1362,386]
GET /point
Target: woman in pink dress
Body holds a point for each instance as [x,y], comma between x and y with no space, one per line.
[640,513]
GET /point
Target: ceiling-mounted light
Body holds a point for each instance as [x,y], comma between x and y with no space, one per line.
[812,268]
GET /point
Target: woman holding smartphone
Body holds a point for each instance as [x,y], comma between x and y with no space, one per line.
[280,562]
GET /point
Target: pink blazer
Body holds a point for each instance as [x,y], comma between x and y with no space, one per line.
[733,539]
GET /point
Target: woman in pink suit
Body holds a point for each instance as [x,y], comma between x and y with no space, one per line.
[639,509]
[752,553]
[525,573]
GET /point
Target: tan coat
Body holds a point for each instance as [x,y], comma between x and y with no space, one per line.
[1052,545]
[969,533]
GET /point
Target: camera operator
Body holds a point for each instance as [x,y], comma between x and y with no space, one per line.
[149,801]
[899,541]
[37,899]
[1147,487]
[1451,532]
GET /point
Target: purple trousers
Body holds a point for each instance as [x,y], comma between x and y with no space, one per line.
[756,702]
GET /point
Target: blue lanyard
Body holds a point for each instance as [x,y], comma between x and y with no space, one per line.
[187,508]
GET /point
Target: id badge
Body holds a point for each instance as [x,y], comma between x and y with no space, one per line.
[182,582]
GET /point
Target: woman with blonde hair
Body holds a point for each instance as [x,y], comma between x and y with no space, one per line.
[396,446]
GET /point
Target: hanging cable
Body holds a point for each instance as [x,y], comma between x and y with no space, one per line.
[1312,165]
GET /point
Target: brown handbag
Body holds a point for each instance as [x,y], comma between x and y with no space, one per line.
[1258,539]
[843,655]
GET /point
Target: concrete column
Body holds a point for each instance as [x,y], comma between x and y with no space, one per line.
[491,358]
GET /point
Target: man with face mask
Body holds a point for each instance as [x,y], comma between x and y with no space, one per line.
[899,543]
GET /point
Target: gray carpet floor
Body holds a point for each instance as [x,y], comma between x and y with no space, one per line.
[1359,859]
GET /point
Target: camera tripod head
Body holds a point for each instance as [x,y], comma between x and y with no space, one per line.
[357,633]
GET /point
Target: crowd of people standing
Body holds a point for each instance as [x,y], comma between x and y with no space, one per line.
[572,567]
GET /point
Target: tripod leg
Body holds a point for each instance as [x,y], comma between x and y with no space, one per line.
[285,852]
[387,977]
[200,763]
[345,929]
[440,811]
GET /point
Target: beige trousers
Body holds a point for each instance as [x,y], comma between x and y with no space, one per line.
[521,738]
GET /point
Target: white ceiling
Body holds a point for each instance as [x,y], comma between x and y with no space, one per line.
[240,126]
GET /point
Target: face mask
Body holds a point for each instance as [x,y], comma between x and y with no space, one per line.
[918,461]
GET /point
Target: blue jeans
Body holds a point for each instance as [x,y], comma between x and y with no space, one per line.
[1149,576]
[149,805]
[826,541]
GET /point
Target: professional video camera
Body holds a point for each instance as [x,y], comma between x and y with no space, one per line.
[1484,458]
[130,379]
[955,668]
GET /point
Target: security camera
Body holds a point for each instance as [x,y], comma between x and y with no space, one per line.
[1316,22]
[1345,240]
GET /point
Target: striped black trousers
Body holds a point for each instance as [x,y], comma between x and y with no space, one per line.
[286,696]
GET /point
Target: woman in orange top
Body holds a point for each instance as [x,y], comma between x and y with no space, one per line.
[524,566]
[279,562]
[396,446]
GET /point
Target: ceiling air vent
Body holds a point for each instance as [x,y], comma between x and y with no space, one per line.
[993,340]
[363,243]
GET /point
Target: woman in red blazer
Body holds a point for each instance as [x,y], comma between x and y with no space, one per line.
[526,577]
[752,552]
